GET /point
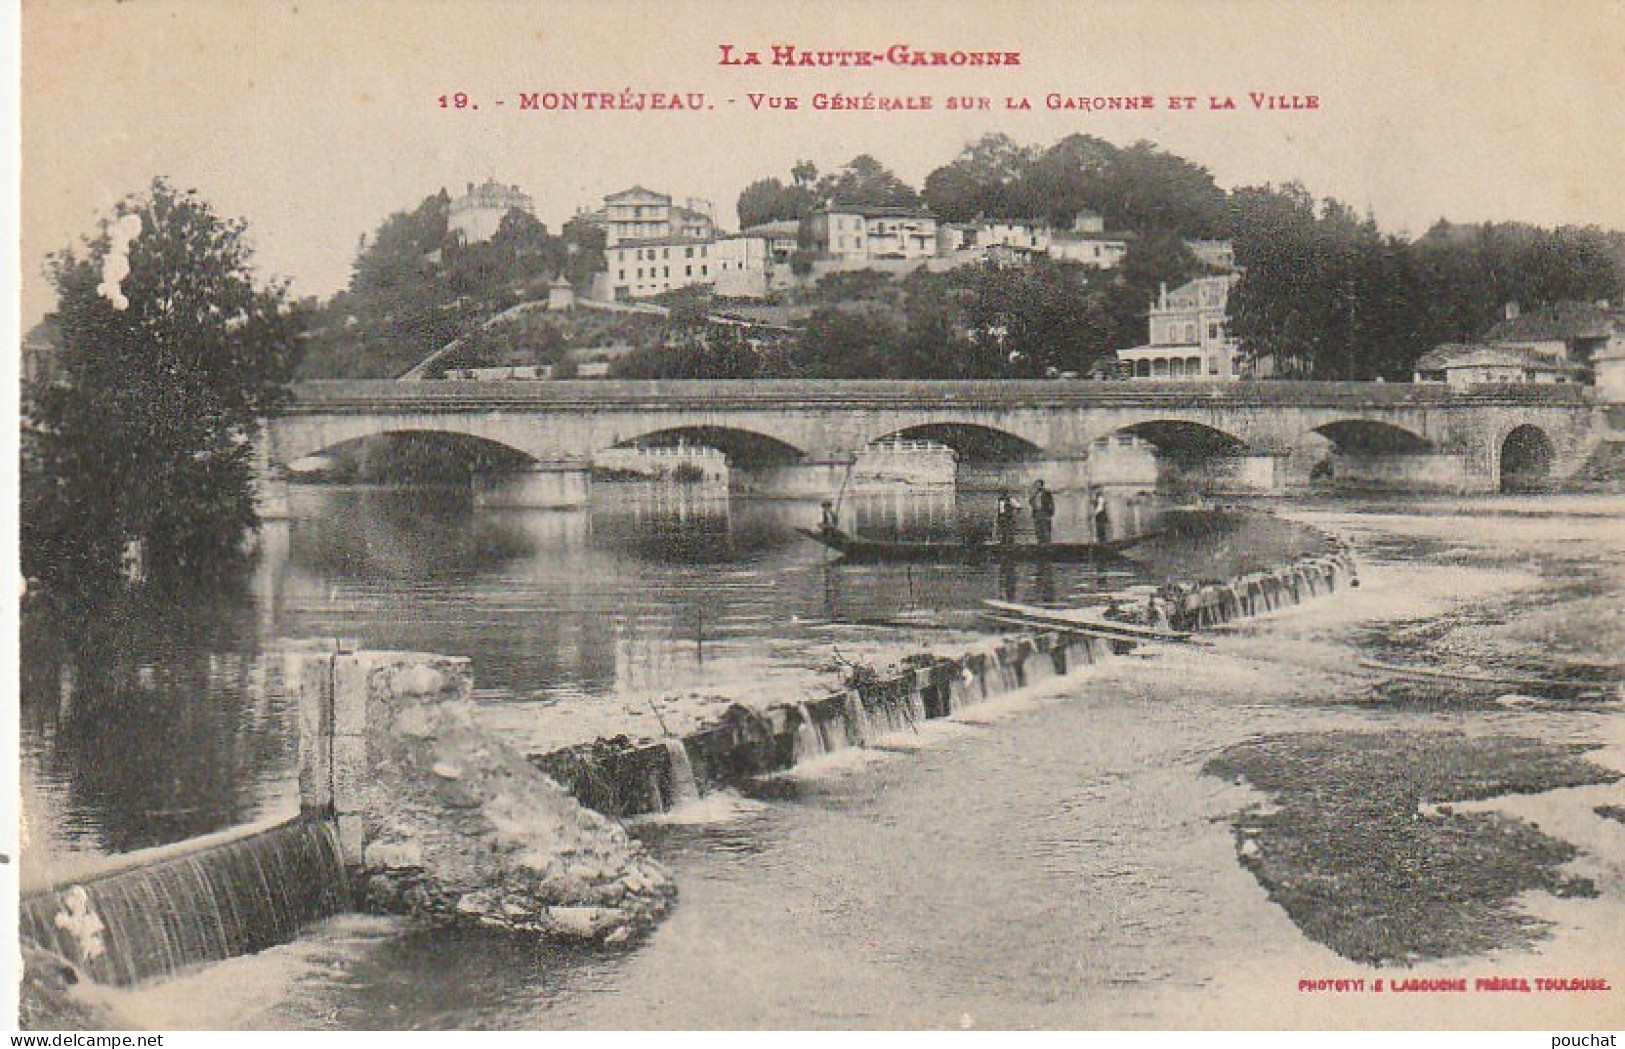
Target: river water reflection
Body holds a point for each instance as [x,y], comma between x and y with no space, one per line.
[149,723]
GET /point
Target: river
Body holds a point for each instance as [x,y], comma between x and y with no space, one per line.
[1058,859]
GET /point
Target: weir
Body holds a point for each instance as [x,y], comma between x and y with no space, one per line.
[408,806]
[746,743]
[199,905]
[683,787]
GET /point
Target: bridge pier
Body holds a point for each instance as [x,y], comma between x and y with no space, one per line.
[539,486]
[816,477]
[1060,473]
[271,498]
[270,481]
[1257,474]
[1446,472]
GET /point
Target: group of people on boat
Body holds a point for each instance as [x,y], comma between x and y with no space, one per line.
[1040,503]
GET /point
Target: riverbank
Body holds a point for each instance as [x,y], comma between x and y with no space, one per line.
[1515,634]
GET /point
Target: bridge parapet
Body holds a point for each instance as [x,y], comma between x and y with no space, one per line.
[362,395]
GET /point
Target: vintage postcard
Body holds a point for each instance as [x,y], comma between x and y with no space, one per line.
[844,515]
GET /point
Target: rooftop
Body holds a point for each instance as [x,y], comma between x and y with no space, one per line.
[882,211]
[638,191]
[1559,322]
[1474,355]
[781,228]
[1102,235]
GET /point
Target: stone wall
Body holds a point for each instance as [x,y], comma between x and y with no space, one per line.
[438,819]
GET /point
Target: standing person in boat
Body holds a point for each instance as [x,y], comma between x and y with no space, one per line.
[1004,520]
[1042,504]
[829,520]
[1102,518]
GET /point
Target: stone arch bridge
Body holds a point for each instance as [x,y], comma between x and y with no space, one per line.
[1256,435]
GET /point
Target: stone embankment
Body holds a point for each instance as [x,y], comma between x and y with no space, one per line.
[438,819]
[626,777]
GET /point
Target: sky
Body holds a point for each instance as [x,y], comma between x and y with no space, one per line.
[316,119]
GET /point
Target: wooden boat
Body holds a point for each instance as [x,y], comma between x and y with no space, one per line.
[1078,620]
[869,551]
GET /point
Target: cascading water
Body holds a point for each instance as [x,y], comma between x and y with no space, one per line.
[857,720]
[684,787]
[832,734]
[220,901]
[809,742]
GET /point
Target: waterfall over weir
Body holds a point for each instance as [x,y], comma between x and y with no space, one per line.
[809,741]
[684,788]
[202,905]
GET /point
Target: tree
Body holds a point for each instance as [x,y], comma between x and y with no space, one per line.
[867,182]
[1043,317]
[986,179]
[392,262]
[1325,295]
[171,355]
[770,200]
[1144,188]
[584,244]
[1069,177]
[712,353]
[847,344]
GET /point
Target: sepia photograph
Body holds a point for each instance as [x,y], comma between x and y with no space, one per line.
[829,515]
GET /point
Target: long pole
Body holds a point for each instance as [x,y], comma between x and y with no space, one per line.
[840,495]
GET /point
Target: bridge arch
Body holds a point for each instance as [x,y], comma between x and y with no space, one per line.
[1524,458]
[1184,439]
[1372,437]
[411,453]
[741,446]
[971,442]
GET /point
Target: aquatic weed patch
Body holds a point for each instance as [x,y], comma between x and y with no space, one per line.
[1361,848]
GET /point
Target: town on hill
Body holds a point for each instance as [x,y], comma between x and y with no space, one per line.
[1080,259]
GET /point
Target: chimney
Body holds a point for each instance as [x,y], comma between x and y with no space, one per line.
[1512,310]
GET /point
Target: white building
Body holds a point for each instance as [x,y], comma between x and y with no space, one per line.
[782,238]
[1609,365]
[1215,254]
[733,266]
[1188,334]
[1466,364]
[852,231]
[475,216]
[1100,250]
[639,214]
[1016,234]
